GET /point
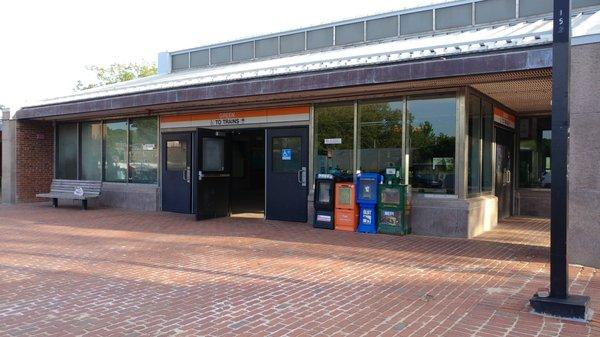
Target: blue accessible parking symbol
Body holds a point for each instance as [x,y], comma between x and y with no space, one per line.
[286,154]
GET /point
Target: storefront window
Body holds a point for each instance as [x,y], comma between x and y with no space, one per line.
[66,147]
[143,150]
[487,134]
[474,133]
[534,152]
[334,138]
[480,145]
[115,150]
[91,151]
[380,135]
[432,130]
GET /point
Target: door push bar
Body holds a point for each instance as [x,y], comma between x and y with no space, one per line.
[187,174]
[301,176]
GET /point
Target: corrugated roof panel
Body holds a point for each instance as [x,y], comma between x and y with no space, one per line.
[470,41]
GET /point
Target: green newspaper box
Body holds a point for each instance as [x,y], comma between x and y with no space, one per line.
[392,205]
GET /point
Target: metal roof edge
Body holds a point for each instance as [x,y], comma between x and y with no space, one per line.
[535,57]
[585,39]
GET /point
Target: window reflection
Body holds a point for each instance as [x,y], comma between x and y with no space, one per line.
[115,149]
[91,151]
[143,150]
[380,135]
[66,160]
[432,129]
[334,140]
[535,170]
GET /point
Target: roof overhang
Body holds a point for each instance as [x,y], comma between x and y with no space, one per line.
[504,61]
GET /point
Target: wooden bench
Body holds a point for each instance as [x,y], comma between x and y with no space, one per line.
[65,189]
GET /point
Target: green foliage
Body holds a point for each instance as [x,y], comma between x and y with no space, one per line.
[117,72]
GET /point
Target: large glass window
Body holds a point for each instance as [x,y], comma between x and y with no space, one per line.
[334,138]
[534,152]
[66,147]
[480,130]
[143,150]
[474,133]
[380,135]
[487,134]
[115,151]
[432,130]
[91,151]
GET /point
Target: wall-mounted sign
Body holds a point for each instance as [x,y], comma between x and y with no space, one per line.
[504,118]
[332,141]
[233,118]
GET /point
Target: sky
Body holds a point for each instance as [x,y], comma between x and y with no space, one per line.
[45,46]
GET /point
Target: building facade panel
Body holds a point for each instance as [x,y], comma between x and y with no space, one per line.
[584,156]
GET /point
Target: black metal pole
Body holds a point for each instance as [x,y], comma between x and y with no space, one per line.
[561,61]
[560,303]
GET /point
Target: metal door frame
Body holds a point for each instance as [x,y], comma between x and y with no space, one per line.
[513,193]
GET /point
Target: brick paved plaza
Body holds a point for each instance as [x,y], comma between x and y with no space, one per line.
[67,272]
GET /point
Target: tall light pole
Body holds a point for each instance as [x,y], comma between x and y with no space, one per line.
[560,303]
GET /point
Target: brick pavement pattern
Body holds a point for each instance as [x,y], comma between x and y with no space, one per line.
[108,272]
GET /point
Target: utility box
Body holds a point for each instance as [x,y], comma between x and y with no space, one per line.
[346,210]
[367,185]
[392,204]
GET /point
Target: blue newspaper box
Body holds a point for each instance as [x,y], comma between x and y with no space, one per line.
[367,194]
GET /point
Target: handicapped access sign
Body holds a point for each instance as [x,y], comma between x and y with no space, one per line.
[286,154]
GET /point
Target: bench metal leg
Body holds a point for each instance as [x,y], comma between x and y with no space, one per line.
[84,204]
[55,202]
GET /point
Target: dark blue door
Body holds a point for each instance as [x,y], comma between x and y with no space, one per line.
[176,172]
[287,165]
[504,167]
[214,174]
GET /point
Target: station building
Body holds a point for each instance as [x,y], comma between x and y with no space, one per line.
[456,95]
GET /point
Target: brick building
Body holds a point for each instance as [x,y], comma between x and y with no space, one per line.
[457,95]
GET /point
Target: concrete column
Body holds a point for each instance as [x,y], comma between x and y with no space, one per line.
[584,156]
[8,159]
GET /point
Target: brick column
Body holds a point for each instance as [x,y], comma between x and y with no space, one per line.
[35,159]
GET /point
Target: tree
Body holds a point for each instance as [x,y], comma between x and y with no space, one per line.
[117,72]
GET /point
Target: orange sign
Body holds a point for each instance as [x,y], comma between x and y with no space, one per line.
[504,118]
[242,117]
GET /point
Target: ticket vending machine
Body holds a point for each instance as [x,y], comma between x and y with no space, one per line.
[324,201]
[367,186]
[346,210]
[392,204]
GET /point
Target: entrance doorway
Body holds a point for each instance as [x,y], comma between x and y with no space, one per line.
[505,144]
[256,173]
[248,173]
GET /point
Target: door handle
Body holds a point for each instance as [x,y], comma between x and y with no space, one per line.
[188,173]
[303,177]
[200,175]
[299,176]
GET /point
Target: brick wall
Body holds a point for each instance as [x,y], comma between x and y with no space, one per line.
[35,151]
